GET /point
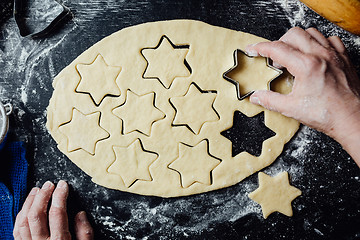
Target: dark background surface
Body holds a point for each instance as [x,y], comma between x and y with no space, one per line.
[329,207]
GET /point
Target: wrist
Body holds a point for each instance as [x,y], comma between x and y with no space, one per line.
[347,133]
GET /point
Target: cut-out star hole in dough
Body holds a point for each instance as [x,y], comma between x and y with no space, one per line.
[83,131]
[98,79]
[275,194]
[138,113]
[250,73]
[166,61]
[132,163]
[248,133]
[194,164]
[189,106]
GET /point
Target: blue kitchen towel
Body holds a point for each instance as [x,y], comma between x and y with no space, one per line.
[13,181]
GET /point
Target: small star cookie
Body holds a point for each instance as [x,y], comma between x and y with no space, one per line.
[138,113]
[98,79]
[165,62]
[275,194]
[132,163]
[194,164]
[83,131]
[190,105]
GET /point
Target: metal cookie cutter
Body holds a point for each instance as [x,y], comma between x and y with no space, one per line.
[237,84]
[5,111]
[52,14]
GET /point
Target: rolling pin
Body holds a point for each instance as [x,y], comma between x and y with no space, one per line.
[345,13]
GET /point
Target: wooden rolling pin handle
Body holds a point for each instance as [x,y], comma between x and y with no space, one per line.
[345,13]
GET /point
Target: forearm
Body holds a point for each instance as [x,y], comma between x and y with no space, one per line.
[348,135]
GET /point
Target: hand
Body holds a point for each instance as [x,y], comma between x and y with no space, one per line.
[35,222]
[326,90]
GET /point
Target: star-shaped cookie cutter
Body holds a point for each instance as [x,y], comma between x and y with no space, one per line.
[57,11]
[237,84]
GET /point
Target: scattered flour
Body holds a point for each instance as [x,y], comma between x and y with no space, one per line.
[295,11]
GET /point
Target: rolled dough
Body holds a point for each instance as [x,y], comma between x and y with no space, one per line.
[163,60]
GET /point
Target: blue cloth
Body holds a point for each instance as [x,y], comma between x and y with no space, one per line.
[2,145]
[13,180]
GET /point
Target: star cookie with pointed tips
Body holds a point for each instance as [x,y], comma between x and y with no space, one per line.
[98,79]
[275,194]
[83,131]
[138,113]
[194,164]
[166,61]
[132,163]
[190,105]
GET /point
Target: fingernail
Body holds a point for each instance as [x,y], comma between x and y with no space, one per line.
[47,185]
[252,53]
[62,184]
[255,100]
[82,216]
[34,191]
[276,65]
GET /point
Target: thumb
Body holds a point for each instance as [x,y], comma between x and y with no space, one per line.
[83,228]
[272,101]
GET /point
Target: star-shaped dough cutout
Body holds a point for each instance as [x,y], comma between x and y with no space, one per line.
[98,79]
[166,62]
[138,113]
[275,194]
[256,69]
[194,164]
[132,163]
[83,131]
[248,133]
[194,108]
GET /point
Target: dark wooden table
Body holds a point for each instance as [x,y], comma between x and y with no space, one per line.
[330,181]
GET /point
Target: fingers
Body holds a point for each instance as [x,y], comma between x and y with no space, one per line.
[337,44]
[300,39]
[32,221]
[21,228]
[281,53]
[315,34]
[309,41]
[83,228]
[58,219]
[298,49]
[272,101]
[37,216]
